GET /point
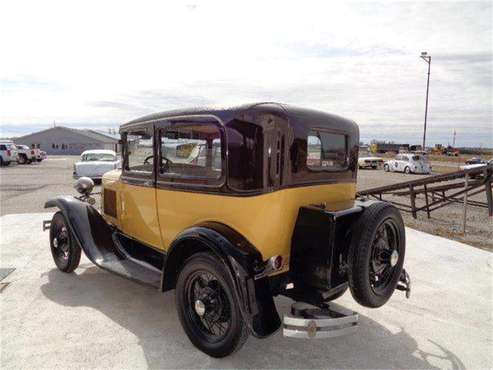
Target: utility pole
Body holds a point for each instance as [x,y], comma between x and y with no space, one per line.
[427,59]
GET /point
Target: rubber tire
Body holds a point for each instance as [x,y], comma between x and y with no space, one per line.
[407,170]
[1,162]
[74,248]
[22,159]
[363,232]
[386,168]
[238,334]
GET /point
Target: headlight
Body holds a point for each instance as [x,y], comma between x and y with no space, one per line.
[84,185]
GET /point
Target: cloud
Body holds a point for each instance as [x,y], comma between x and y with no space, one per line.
[75,65]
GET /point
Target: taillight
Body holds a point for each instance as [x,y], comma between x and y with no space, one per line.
[9,153]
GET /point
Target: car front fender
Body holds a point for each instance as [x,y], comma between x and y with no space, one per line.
[88,227]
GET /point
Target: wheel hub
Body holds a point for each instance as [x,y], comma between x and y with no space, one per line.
[199,307]
[394,257]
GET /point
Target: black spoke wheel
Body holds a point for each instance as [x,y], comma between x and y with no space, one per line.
[207,306]
[384,256]
[64,249]
[376,254]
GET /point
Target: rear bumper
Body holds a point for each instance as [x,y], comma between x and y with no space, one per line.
[307,321]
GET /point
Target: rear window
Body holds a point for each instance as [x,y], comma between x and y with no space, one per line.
[327,151]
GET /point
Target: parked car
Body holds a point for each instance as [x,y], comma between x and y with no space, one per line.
[8,152]
[232,207]
[37,154]
[25,154]
[475,161]
[408,163]
[95,163]
[476,164]
[367,161]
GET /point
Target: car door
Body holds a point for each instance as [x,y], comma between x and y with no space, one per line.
[396,163]
[138,217]
[191,169]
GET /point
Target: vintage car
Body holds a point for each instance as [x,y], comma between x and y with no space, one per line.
[95,163]
[232,207]
[366,160]
[408,163]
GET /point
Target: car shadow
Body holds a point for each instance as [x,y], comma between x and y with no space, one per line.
[151,316]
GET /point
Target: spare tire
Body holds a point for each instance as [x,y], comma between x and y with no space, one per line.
[376,254]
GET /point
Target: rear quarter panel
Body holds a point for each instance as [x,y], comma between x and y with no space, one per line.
[266,221]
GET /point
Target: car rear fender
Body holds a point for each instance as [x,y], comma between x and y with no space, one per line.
[243,261]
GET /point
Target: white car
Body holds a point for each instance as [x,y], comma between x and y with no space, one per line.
[95,163]
[367,161]
[408,163]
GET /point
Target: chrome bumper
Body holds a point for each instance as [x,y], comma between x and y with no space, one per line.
[307,321]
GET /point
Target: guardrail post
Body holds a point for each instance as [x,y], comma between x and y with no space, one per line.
[413,201]
[487,188]
[427,203]
[466,184]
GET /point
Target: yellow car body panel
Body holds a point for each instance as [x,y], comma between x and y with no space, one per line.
[266,221]
[157,216]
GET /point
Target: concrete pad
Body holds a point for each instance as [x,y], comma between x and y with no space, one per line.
[95,319]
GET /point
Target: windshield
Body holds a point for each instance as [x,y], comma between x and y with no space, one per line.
[419,158]
[90,157]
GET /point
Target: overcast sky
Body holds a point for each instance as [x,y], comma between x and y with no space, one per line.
[101,63]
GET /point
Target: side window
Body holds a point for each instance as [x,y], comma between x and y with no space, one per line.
[191,150]
[139,152]
[326,151]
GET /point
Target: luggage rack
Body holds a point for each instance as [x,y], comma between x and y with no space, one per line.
[308,321]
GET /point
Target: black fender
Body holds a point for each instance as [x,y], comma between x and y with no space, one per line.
[88,227]
[243,262]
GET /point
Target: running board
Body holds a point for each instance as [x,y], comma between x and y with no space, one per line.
[307,321]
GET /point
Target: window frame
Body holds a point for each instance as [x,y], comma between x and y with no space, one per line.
[328,169]
[137,177]
[185,181]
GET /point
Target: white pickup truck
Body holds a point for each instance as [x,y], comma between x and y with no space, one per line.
[8,152]
[25,155]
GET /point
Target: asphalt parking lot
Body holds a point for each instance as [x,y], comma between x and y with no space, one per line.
[93,319]
[25,188]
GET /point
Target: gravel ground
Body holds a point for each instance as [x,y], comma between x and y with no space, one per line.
[24,189]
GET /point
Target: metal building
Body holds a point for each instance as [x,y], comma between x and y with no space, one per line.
[63,140]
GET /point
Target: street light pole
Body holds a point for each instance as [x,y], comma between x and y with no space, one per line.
[427,59]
